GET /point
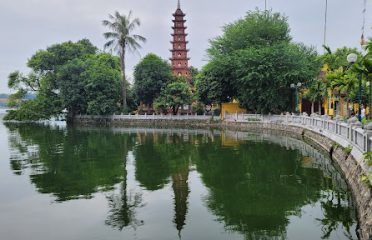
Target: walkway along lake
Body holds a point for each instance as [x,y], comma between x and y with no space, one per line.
[136,183]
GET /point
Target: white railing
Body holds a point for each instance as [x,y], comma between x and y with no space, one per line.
[148,117]
[354,135]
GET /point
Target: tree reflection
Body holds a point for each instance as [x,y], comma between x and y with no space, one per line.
[70,163]
[161,156]
[123,209]
[255,187]
[336,212]
[74,164]
[152,166]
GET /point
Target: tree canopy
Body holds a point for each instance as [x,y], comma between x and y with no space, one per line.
[91,85]
[70,76]
[174,95]
[255,62]
[151,74]
[341,76]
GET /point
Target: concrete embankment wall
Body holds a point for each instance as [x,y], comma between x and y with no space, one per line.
[166,122]
[350,167]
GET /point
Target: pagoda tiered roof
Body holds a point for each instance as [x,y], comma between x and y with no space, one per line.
[179,20]
[179,34]
[179,50]
[184,27]
[179,41]
[179,59]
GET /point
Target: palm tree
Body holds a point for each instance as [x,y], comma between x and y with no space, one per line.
[345,82]
[121,39]
[367,69]
[316,92]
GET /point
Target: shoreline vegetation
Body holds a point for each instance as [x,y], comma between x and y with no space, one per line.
[80,79]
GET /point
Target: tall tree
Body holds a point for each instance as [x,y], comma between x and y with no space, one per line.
[214,82]
[91,85]
[121,39]
[68,76]
[45,67]
[316,92]
[151,75]
[175,95]
[259,64]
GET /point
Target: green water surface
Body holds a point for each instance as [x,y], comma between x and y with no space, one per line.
[92,183]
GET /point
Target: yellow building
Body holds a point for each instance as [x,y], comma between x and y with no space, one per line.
[334,105]
[231,108]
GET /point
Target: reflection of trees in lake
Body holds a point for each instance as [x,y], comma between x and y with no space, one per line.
[336,212]
[72,164]
[159,157]
[69,163]
[152,168]
[255,187]
[123,209]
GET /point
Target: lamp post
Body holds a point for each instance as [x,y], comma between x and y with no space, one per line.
[368,84]
[370,99]
[296,87]
[351,59]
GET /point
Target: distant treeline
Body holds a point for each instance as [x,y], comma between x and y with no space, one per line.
[27,97]
[3,103]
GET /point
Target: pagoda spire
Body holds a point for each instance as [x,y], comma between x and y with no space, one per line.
[179,58]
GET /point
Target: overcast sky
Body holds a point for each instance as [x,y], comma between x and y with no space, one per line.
[29,25]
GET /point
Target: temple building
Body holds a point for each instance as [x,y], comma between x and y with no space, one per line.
[179,59]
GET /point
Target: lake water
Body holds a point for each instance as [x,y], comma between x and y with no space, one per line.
[91,183]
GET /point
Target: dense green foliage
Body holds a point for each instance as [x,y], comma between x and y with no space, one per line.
[175,95]
[122,39]
[342,77]
[91,85]
[214,83]
[151,75]
[193,73]
[42,79]
[316,92]
[69,76]
[255,62]
[335,60]
[367,62]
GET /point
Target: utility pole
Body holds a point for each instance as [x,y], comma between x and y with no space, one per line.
[325,23]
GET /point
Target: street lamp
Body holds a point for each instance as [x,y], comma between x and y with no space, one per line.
[368,84]
[296,87]
[351,59]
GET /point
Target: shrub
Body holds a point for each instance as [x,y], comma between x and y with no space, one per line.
[368,158]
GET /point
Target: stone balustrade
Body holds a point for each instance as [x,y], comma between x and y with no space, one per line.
[350,132]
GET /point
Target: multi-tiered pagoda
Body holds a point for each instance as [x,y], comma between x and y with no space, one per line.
[179,59]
